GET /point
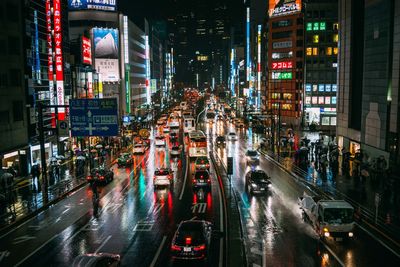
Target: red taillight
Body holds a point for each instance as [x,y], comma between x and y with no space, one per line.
[194,181]
[89,177]
[208,181]
[208,165]
[176,248]
[199,248]
[101,177]
[188,240]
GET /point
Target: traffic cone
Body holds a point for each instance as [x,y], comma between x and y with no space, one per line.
[388,220]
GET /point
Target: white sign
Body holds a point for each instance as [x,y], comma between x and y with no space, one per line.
[284,44]
[108,69]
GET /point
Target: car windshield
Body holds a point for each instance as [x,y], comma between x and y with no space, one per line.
[221,138]
[162,172]
[252,153]
[232,134]
[190,234]
[202,160]
[201,175]
[258,176]
[338,215]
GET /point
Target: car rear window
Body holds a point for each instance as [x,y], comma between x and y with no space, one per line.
[232,134]
[162,172]
[190,235]
[201,175]
[252,153]
[258,176]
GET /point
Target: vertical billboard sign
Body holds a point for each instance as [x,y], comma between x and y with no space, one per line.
[280,8]
[248,66]
[36,65]
[147,47]
[127,67]
[106,53]
[59,57]
[86,51]
[50,53]
[258,65]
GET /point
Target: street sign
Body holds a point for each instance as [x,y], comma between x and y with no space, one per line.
[63,129]
[94,117]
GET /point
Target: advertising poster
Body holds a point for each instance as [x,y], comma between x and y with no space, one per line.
[106,53]
[283,7]
[104,5]
[86,51]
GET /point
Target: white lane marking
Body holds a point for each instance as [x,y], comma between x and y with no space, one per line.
[193,218]
[158,208]
[199,207]
[4,254]
[102,244]
[184,180]
[22,239]
[35,251]
[153,263]
[334,255]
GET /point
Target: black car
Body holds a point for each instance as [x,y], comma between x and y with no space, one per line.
[202,178]
[125,159]
[257,181]
[220,140]
[101,175]
[191,240]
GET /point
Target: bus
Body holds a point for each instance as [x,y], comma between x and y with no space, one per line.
[189,124]
[197,144]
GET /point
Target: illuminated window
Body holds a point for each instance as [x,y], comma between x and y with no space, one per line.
[308,87]
[287,96]
[335,26]
[334,87]
[325,121]
[327,100]
[287,106]
[309,26]
[321,87]
[316,39]
[329,51]
[333,121]
[321,100]
[308,100]
[322,26]
[333,100]
[315,87]
[309,51]
[335,50]
[314,99]
[275,95]
[336,38]
[327,87]
[316,26]
[315,51]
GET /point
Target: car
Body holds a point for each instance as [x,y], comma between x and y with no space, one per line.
[125,159]
[252,157]
[257,181]
[163,177]
[161,121]
[220,140]
[220,117]
[100,174]
[166,129]
[192,240]
[202,163]
[232,136]
[139,148]
[173,137]
[174,123]
[175,151]
[201,178]
[97,260]
[160,140]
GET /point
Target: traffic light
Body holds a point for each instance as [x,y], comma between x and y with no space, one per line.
[229,168]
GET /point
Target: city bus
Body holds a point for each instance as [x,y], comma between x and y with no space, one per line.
[189,124]
[197,144]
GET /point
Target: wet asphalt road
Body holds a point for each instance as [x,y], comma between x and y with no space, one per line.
[138,223]
[133,220]
[274,232]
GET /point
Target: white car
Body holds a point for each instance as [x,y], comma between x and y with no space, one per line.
[139,148]
[252,157]
[166,129]
[163,177]
[232,136]
[160,140]
[174,123]
[175,151]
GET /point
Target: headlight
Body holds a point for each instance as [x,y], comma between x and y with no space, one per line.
[254,185]
[351,234]
[326,232]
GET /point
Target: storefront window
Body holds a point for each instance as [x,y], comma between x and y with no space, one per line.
[316,39]
[287,106]
[327,87]
[315,51]
[329,51]
[325,121]
[315,88]
[308,87]
[334,87]
[308,100]
[333,121]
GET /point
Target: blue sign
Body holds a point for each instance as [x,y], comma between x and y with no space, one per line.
[105,5]
[94,117]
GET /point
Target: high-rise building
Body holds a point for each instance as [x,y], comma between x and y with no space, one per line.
[321,49]
[285,60]
[368,78]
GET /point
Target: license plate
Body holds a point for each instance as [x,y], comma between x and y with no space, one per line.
[262,189]
[201,181]
[339,239]
[187,249]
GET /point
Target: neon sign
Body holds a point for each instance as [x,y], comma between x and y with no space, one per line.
[282,65]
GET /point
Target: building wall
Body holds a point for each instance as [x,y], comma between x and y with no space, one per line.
[13,117]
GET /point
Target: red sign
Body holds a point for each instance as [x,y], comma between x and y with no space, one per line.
[282,65]
[86,51]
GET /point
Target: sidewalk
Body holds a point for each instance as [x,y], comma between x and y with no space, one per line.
[26,198]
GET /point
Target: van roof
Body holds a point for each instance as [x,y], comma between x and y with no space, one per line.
[335,204]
